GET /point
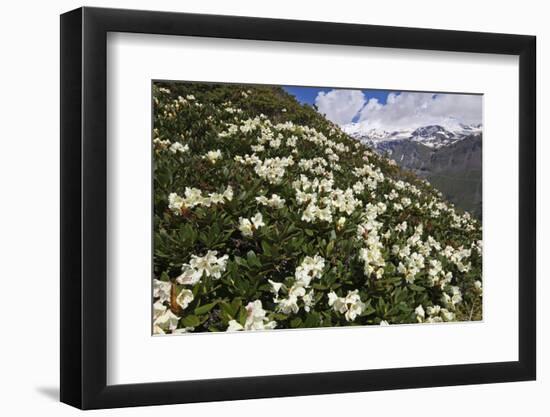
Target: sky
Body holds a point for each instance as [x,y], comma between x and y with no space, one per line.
[391,110]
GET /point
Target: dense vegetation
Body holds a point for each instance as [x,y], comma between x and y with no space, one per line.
[267,216]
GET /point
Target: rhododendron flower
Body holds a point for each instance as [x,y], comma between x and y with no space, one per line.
[161,290]
[350,305]
[234,326]
[213,156]
[208,265]
[255,319]
[165,322]
[248,226]
[310,268]
[420,313]
[275,286]
[258,221]
[245,226]
[478,287]
[178,147]
[275,201]
[184,298]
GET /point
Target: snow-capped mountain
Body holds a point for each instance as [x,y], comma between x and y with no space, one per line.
[432,136]
[449,156]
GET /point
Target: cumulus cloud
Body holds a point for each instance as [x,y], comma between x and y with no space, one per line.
[340,106]
[411,110]
[401,111]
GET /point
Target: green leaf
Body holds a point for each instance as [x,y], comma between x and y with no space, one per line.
[205,308]
[191,321]
[417,288]
[330,247]
[296,323]
[164,276]
[312,320]
[253,259]
[266,248]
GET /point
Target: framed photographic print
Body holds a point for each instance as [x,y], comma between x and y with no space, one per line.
[258,208]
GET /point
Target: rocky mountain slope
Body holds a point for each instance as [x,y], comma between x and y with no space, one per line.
[449,158]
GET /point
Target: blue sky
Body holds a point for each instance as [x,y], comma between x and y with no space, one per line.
[387,109]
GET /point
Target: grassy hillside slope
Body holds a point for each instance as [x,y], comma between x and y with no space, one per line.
[267,216]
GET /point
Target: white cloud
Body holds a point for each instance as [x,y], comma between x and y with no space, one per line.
[401,111]
[411,110]
[340,106]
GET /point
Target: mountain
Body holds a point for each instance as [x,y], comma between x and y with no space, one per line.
[454,169]
[432,136]
[449,157]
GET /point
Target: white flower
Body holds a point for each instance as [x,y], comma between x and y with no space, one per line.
[257,148]
[437,314]
[209,265]
[447,315]
[340,223]
[258,221]
[178,147]
[273,169]
[275,201]
[275,143]
[350,305]
[401,227]
[452,300]
[275,286]
[291,141]
[189,276]
[161,144]
[478,288]
[184,298]
[245,226]
[256,317]
[228,193]
[420,313]
[175,203]
[324,214]
[165,322]
[290,304]
[193,197]
[213,156]
[216,198]
[263,200]
[308,300]
[311,267]
[183,330]
[158,309]
[310,213]
[161,290]
[287,305]
[248,226]
[234,326]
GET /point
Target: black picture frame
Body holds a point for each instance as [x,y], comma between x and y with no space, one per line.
[84,207]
